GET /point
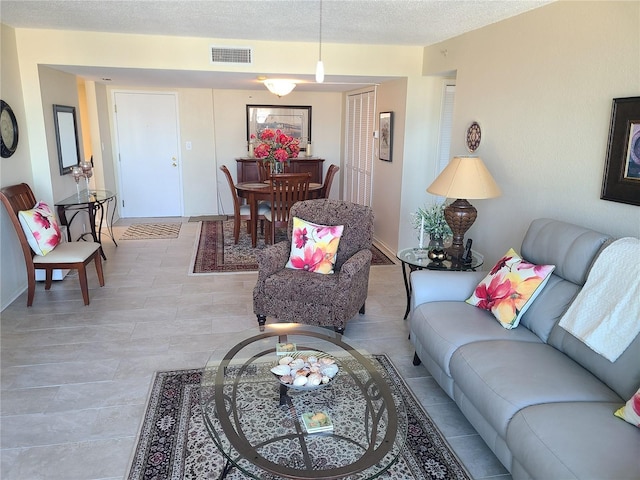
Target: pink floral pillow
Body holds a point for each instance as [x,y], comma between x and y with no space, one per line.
[314,247]
[510,287]
[40,228]
[631,410]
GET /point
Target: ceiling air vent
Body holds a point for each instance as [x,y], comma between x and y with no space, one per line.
[231,55]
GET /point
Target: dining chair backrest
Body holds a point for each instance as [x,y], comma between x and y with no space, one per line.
[264,171]
[16,198]
[232,187]
[326,186]
[286,190]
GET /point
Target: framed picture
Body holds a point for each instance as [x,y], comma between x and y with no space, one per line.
[386,136]
[621,182]
[64,119]
[294,121]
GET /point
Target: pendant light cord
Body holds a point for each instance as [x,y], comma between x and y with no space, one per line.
[320,36]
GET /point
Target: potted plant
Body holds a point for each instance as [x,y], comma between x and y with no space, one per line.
[430,220]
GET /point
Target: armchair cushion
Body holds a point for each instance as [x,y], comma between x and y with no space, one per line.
[313,246]
[40,228]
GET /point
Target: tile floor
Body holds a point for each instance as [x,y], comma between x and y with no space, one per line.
[75,379]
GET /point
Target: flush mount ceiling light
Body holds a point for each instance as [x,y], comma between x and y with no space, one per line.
[320,65]
[280,87]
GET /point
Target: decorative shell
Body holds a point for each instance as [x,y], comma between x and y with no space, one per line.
[306,370]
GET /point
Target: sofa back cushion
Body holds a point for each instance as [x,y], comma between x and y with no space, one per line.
[571,249]
[622,376]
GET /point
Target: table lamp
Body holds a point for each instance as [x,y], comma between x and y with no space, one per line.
[463,178]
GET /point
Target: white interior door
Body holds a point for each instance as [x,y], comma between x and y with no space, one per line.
[359,147]
[149,162]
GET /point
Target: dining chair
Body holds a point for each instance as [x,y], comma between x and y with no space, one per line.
[286,189]
[64,256]
[242,212]
[264,172]
[326,186]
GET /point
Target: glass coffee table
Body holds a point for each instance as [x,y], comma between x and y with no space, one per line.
[256,421]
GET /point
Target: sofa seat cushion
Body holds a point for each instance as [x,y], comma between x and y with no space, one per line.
[574,440]
[302,286]
[442,327]
[501,377]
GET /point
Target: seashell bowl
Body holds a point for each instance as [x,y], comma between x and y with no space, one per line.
[306,370]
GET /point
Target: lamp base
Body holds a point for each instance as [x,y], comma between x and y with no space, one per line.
[459,215]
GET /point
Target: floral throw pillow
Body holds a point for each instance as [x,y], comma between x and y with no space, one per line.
[40,228]
[314,247]
[630,412]
[510,287]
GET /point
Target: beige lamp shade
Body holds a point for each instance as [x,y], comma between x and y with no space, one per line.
[465,177]
[280,87]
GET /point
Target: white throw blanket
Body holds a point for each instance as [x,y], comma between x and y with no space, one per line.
[606,313]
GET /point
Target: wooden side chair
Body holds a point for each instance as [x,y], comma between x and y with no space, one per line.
[71,255]
[326,186]
[241,212]
[286,189]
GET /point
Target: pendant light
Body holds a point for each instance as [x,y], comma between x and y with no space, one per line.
[320,65]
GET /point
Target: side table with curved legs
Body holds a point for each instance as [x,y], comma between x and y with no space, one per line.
[417,259]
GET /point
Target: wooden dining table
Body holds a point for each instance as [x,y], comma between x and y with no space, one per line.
[255,192]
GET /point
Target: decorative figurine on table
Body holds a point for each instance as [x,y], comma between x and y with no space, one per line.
[430,220]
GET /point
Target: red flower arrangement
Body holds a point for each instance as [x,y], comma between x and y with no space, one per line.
[275,146]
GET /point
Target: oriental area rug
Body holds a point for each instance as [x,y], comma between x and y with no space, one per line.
[174,442]
[215,252]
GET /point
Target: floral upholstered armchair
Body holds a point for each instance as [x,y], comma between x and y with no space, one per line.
[302,296]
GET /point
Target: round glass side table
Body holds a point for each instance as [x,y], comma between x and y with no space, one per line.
[418,259]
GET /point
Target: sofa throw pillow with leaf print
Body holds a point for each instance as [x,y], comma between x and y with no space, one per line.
[40,228]
[510,287]
[314,247]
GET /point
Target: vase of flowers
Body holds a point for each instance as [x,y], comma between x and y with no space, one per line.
[430,220]
[276,148]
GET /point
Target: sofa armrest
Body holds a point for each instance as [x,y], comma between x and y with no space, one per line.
[442,286]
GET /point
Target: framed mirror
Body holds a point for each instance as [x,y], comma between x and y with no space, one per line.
[64,118]
[294,121]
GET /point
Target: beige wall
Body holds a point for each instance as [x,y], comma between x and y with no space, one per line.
[541,86]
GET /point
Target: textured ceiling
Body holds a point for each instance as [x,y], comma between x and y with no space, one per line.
[386,22]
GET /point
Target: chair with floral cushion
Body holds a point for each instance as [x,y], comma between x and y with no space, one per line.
[39,237]
[290,286]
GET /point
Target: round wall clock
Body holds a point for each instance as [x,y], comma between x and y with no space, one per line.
[473,137]
[8,130]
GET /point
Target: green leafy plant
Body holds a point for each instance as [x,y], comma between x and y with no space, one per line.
[434,224]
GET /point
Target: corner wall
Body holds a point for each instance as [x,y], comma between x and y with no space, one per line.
[541,86]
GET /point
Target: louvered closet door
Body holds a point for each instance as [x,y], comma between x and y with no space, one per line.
[359,147]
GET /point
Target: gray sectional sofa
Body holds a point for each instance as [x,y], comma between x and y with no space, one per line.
[541,399]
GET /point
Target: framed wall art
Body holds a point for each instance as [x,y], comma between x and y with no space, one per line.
[386,136]
[621,182]
[64,119]
[294,121]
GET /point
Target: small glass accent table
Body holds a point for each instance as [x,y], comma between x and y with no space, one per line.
[417,259]
[255,421]
[94,202]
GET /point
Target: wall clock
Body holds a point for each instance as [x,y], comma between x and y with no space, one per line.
[8,130]
[473,137]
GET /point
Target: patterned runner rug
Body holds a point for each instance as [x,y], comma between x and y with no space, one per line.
[174,442]
[215,252]
[147,231]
